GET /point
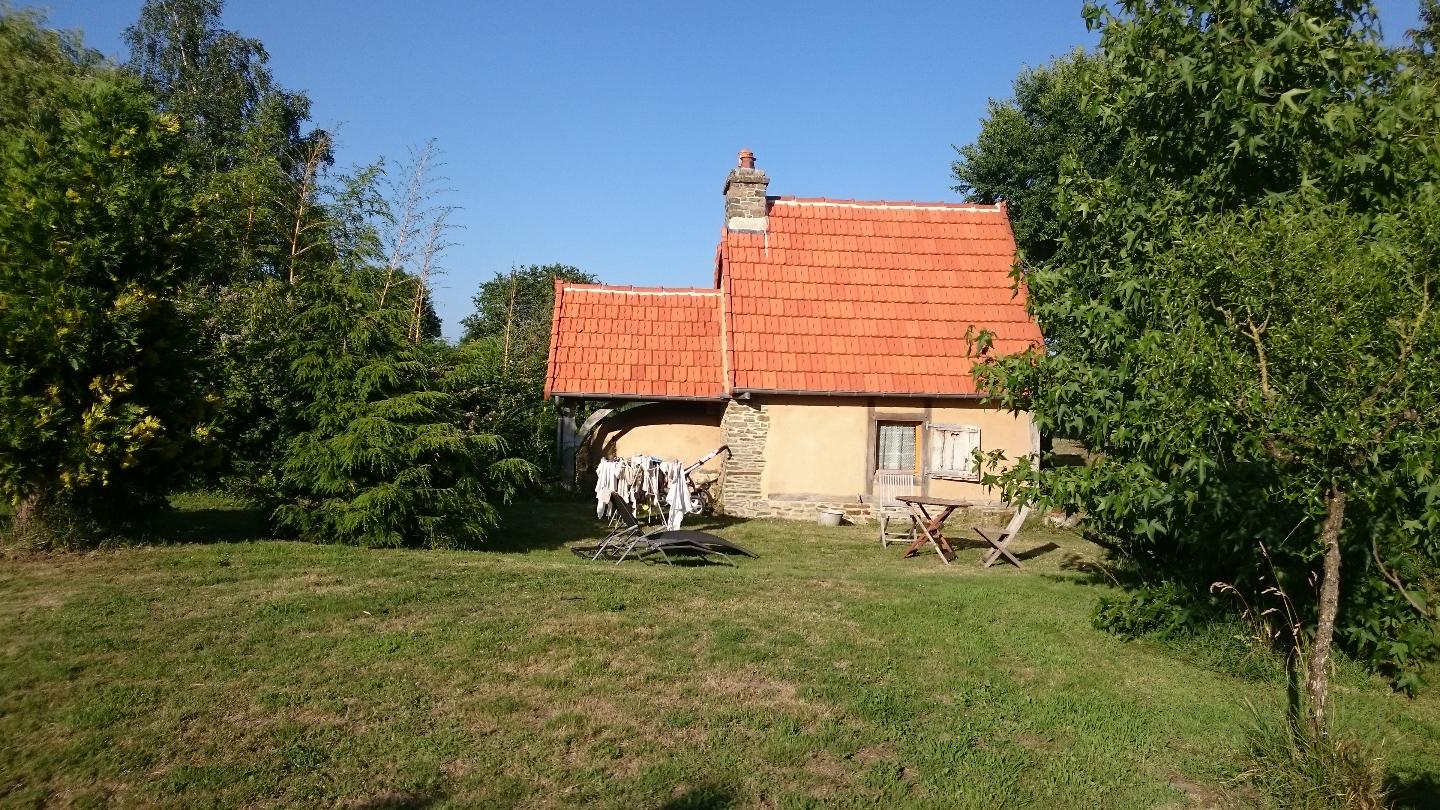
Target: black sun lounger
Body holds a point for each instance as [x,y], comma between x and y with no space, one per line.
[633,539]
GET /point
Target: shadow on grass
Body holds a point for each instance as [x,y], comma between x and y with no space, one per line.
[1038,551]
[703,797]
[962,543]
[398,801]
[209,526]
[540,524]
[530,524]
[1414,793]
[1083,571]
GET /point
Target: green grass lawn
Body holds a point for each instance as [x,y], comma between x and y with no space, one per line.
[829,672]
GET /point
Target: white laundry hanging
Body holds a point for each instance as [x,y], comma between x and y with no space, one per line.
[678,498]
[606,475]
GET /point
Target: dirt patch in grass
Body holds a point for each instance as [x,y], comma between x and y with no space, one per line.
[871,754]
[754,689]
[833,774]
[1198,795]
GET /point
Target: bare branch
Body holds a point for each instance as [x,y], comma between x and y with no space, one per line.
[306,193]
[1394,580]
[1255,334]
[415,236]
[509,321]
[435,244]
[406,227]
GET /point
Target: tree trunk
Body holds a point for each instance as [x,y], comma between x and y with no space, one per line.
[509,321]
[31,525]
[27,513]
[308,181]
[1317,684]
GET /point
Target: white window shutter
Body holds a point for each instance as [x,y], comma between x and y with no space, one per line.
[967,441]
[952,449]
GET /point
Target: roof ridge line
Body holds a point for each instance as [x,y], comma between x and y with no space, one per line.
[631,290]
[825,202]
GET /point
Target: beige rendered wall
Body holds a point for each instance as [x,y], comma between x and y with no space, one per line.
[689,443]
[821,446]
[684,431]
[816,446]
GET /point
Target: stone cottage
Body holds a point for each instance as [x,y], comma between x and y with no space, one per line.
[830,355]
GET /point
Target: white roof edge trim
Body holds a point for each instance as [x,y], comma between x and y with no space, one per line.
[696,293]
[988,209]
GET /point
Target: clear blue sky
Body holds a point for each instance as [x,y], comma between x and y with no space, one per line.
[600,134]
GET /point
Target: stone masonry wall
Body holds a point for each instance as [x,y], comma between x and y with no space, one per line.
[744,427]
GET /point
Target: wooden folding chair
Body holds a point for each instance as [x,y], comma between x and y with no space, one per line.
[999,542]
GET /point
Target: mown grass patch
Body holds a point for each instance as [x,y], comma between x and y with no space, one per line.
[829,672]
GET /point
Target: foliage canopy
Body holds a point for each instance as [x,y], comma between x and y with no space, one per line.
[99,405]
[1246,304]
[1023,141]
[501,363]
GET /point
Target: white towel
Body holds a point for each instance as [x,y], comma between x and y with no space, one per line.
[605,477]
[678,499]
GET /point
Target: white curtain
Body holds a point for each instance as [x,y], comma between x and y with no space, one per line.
[895,447]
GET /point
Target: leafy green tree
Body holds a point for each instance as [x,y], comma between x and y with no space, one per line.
[500,367]
[1251,340]
[248,147]
[514,308]
[504,400]
[385,459]
[216,80]
[99,405]
[1424,49]
[1024,140]
[270,208]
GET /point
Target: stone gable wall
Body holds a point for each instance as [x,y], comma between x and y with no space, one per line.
[744,427]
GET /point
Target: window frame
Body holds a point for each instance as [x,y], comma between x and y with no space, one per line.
[918,467]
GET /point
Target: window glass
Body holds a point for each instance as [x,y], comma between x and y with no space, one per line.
[895,446]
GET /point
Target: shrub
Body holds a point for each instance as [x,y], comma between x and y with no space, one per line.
[1296,769]
[1165,609]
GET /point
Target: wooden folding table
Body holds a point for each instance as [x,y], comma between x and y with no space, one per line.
[929,527]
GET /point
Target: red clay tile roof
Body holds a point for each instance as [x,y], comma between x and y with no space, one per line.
[835,297]
[621,342]
[842,296]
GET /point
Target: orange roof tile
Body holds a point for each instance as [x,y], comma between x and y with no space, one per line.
[619,342]
[884,289]
[837,297]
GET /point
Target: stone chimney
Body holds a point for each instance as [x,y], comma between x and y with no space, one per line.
[745,208]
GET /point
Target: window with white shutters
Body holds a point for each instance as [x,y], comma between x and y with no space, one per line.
[952,451]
